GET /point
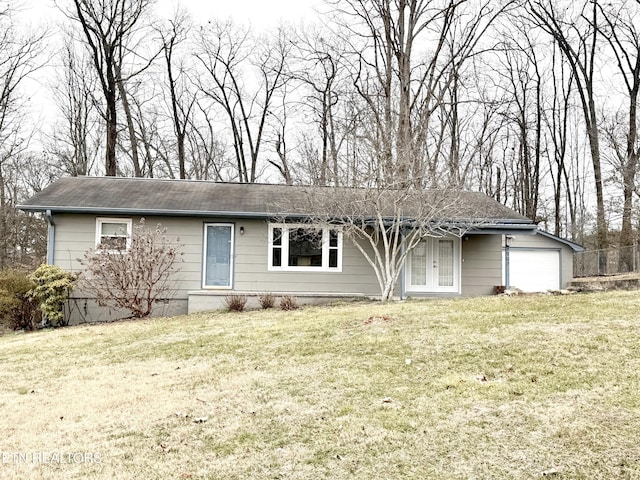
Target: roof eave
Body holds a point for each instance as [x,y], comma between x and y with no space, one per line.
[504,230]
[144,211]
[576,247]
[477,225]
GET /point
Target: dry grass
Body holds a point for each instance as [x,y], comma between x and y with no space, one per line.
[473,388]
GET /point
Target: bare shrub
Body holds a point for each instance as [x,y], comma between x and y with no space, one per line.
[288,303]
[235,302]
[133,278]
[267,300]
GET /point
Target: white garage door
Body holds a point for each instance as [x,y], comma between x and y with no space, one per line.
[534,270]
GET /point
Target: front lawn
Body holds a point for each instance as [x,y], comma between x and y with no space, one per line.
[495,387]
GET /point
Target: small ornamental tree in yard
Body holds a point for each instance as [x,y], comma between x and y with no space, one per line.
[386,223]
[133,278]
[51,290]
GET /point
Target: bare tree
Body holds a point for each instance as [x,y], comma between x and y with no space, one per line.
[283,164]
[73,143]
[146,123]
[386,223]
[319,58]
[23,241]
[181,100]
[126,100]
[557,120]
[107,26]
[485,139]
[577,39]
[623,36]
[524,87]
[130,64]
[206,149]
[403,83]
[223,52]
[19,58]
[26,233]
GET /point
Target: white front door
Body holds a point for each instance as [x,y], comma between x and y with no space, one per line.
[434,266]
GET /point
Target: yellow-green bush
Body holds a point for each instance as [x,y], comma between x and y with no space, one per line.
[52,286]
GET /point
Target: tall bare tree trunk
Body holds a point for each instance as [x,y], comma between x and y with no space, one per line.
[621,32]
[133,137]
[108,26]
[581,56]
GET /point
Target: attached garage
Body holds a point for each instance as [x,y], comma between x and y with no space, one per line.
[534,270]
[537,263]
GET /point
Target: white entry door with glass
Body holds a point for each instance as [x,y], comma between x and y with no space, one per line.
[433,266]
[218,255]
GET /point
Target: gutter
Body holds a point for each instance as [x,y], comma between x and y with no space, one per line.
[150,212]
[51,241]
[504,230]
[495,224]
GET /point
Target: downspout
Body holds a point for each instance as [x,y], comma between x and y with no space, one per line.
[51,238]
[507,268]
[402,272]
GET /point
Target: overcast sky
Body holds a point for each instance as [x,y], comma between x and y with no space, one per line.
[261,13]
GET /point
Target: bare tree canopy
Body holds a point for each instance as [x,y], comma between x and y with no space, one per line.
[533,103]
[21,55]
[181,100]
[404,56]
[224,51]
[108,26]
[577,39]
[619,29]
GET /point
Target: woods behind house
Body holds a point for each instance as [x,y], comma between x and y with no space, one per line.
[533,102]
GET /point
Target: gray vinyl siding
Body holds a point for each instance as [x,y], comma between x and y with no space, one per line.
[481,264]
[252,272]
[481,257]
[530,242]
[75,234]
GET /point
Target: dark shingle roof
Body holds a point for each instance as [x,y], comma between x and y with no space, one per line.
[116,195]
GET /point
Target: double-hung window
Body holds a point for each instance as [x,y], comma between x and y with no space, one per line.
[299,247]
[113,234]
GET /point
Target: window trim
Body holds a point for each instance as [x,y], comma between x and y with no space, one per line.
[284,247]
[101,220]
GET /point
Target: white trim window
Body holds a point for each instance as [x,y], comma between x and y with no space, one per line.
[113,234]
[304,248]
